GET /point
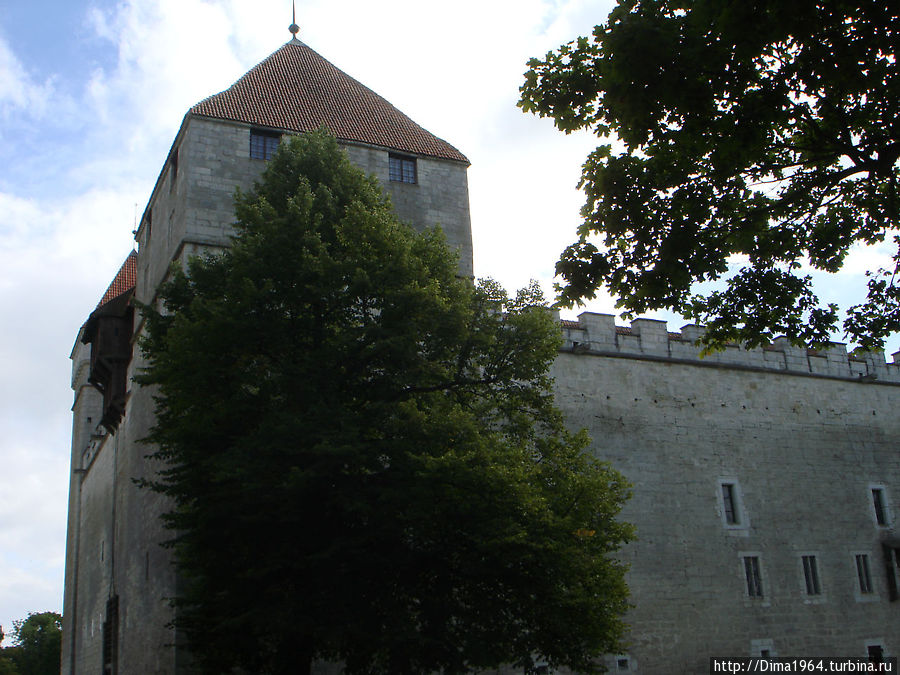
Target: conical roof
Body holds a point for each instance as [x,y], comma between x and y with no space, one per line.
[295,89]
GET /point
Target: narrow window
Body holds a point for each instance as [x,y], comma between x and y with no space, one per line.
[880,510]
[173,170]
[811,575]
[862,571]
[110,648]
[754,580]
[263,144]
[892,562]
[731,513]
[402,169]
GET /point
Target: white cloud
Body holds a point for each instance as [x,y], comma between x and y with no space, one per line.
[57,256]
[17,89]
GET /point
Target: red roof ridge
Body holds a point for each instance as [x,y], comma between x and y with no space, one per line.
[124,280]
[296,89]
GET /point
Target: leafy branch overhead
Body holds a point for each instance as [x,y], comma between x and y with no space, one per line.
[759,132]
[362,450]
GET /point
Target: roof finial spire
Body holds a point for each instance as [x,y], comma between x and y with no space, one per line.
[294,28]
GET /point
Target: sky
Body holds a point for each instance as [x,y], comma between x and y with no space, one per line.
[91,96]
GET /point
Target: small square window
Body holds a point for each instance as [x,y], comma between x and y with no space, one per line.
[879,502]
[862,573]
[754,579]
[763,648]
[811,575]
[402,169]
[263,144]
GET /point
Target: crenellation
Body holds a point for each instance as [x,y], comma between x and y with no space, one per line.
[650,338]
[599,330]
[653,336]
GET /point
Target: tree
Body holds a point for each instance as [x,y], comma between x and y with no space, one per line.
[7,664]
[36,646]
[758,132]
[362,450]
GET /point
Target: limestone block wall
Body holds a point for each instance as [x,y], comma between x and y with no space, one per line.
[192,202]
[91,576]
[440,197]
[86,413]
[802,437]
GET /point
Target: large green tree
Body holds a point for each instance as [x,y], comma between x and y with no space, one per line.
[36,646]
[759,132]
[362,450]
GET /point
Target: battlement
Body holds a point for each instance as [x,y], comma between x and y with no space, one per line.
[649,338]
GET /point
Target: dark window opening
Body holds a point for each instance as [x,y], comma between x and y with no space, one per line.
[754,580]
[765,653]
[811,575]
[622,664]
[263,144]
[892,562]
[728,499]
[862,572]
[111,636]
[880,511]
[876,653]
[402,169]
[173,170]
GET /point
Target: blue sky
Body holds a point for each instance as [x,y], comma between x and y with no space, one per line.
[91,95]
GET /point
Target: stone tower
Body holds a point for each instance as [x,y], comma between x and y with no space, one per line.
[118,577]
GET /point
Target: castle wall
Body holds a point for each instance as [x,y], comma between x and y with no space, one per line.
[95,555]
[802,437]
[145,576]
[86,412]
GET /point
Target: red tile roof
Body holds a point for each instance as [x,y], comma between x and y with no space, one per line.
[295,89]
[124,280]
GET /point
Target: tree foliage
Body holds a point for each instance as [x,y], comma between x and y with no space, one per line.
[759,132]
[37,643]
[362,450]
